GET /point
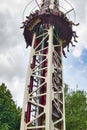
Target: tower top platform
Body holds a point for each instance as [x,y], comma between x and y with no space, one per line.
[49,15]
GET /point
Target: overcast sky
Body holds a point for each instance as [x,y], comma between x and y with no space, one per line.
[14,56]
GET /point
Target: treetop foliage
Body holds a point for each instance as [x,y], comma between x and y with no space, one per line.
[9,112]
[76,109]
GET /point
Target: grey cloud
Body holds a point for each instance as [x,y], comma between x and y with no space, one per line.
[80,9]
[10,34]
[12,45]
[12,64]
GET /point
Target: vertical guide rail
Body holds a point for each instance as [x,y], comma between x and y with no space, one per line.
[49,122]
[58,111]
[64,125]
[26,91]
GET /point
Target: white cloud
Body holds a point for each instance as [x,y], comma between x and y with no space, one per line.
[77,52]
[17,89]
[82,40]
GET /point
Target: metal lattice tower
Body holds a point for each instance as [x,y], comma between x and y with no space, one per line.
[48,31]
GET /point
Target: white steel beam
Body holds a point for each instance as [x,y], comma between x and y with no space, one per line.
[23,124]
[49,123]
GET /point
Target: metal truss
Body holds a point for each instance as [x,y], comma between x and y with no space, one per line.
[43,107]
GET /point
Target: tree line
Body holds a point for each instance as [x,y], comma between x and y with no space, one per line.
[75,109]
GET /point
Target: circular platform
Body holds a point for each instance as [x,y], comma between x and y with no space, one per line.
[60,22]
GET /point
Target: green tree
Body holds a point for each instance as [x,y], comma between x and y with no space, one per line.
[76,110]
[9,112]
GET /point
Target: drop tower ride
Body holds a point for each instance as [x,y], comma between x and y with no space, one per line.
[47,31]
